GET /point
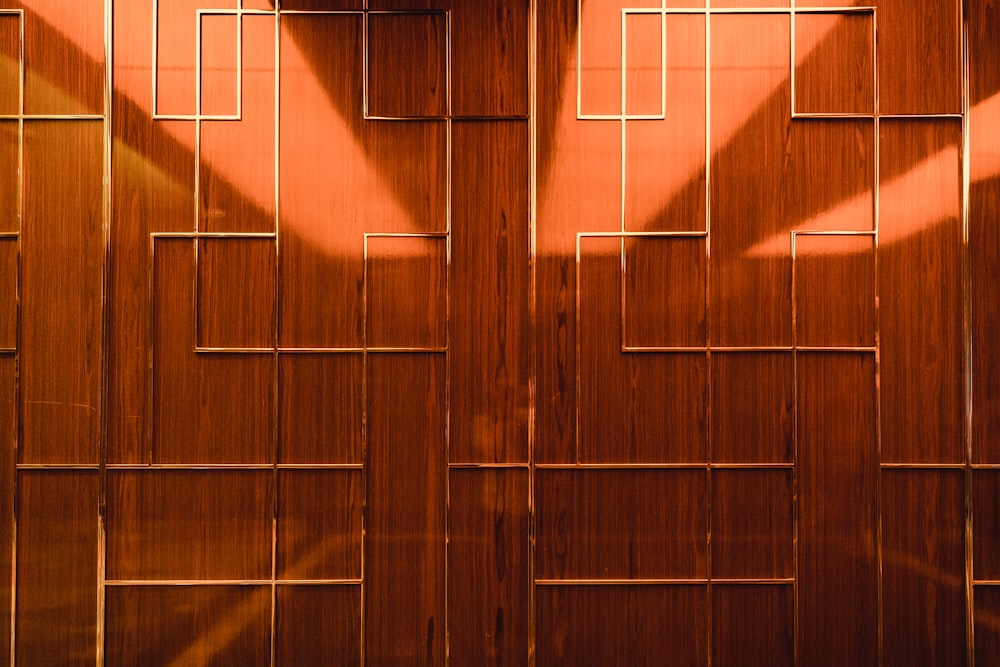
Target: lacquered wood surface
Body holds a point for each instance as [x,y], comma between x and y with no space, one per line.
[331,442]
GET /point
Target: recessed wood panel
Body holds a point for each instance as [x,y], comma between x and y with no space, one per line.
[10,218]
[752,408]
[834,291]
[751,301]
[987,624]
[620,524]
[197,417]
[752,625]
[752,531]
[318,625]
[217,45]
[489,293]
[665,292]
[837,613]
[320,408]
[835,63]
[613,625]
[406,292]
[407,65]
[189,524]
[489,43]
[184,625]
[236,292]
[237,187]
[923,567]
[62,278]
[920,292]
[488,567]
[984,234]
[8,293]
[64,57]
[319,524]
[8,421]
[406,504]
[665,160]
[633,407]
[986,524]
[10,74]
[919,56]
[643,75]
[57,575]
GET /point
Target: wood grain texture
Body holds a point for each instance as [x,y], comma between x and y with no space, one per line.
[665,160]
[837,611]
[236,189]
[489,45]
[632,625]
[751,293]
[218,48]
[236,292]
[984,233]
[752,407]
[8,293]
[986,524]
[665,290]
[62,274]
[319,524]
[752,625]
[170,625]
[835,291]
[64,74]
[489,293]
[8,385]
[406,292]
[57,576]
[197,417]
[189,524]
[752,526]
[633,407]
[318,625]
[320,408]
[923,567]
[10,50]
[919,56]
[987,615]
[488,567]
[406,503]
[620,524]
[837,76]
[407,65]
[920,294]
[9,187]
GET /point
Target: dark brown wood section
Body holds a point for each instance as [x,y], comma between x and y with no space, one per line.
[499,332]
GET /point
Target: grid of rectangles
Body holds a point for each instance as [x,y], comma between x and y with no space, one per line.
[427,372]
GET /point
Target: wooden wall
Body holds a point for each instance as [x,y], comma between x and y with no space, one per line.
[483,332]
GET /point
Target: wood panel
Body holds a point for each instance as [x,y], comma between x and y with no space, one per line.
[986,524]
[320,408]
[987,615]
[920,293]
[489,293]
[235,292]
[620,524]
[838,74]
[489,64]
[197,418]
[219,36]
[665,292]
[10,80]
[8,293]
[176,625]
[633,407]
[236,186]
[189,524]
[837,612]
[488,567]
[9,185]
[406,292]
[406,500]
[8,435]
[752,625]
[984,233]
[62,259]
[407,65]
[752,407]
[57,576]
[923,567]
[834,291]
[319,524]
[633,625]
[318,625]
[752,529]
